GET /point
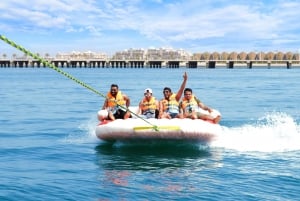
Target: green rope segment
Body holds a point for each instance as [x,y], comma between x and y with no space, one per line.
[47,63]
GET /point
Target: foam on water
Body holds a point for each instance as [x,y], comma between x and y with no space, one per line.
[275,132]
[85,133]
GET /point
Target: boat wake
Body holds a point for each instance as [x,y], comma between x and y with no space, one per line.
[275,132]
[84,133]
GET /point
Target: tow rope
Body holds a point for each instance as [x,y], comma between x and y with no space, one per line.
[52,66]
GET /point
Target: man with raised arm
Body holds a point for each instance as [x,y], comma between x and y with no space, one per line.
[169,105]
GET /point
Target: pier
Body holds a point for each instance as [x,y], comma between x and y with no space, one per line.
[158,58]
[152,64]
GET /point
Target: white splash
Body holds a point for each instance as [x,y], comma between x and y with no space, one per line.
[85,133]
[275,132]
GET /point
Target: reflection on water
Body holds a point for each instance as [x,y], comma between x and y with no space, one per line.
[169,164]
[154,156]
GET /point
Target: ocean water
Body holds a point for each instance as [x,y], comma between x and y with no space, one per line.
[49,151]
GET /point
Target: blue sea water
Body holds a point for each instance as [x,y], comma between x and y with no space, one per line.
[49,151]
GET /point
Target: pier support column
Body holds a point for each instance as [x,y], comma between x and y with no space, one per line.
[230,64]
[288,64]
[192,64]
[249,64]
[211,64]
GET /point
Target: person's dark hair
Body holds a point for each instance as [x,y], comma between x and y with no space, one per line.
[167,89]
[114,85]
[188,89]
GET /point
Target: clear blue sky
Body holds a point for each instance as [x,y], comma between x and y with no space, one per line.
[54,26]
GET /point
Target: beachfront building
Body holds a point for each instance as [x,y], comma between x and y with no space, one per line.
[167,54]
[130,54]
[152,57]
[80,59]
[158,58]
[151,54]
[75,55]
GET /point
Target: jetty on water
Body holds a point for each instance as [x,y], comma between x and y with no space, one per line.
[157,58]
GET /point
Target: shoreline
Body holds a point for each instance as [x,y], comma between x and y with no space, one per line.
[32,63]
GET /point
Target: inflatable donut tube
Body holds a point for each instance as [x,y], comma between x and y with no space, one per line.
[136,129]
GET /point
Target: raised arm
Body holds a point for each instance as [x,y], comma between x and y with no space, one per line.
[180,91]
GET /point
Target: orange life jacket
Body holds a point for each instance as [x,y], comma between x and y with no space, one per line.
[115,101]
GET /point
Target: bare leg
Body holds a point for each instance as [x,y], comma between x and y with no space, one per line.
[111,116]
[127,115]
[217,119]
[165,116]
[192,115]
[179,116]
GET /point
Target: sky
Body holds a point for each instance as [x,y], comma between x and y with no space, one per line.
[108,26]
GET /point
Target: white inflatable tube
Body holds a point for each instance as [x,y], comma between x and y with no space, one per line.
[136,129]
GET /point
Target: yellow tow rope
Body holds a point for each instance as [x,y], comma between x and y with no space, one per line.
[47,63]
